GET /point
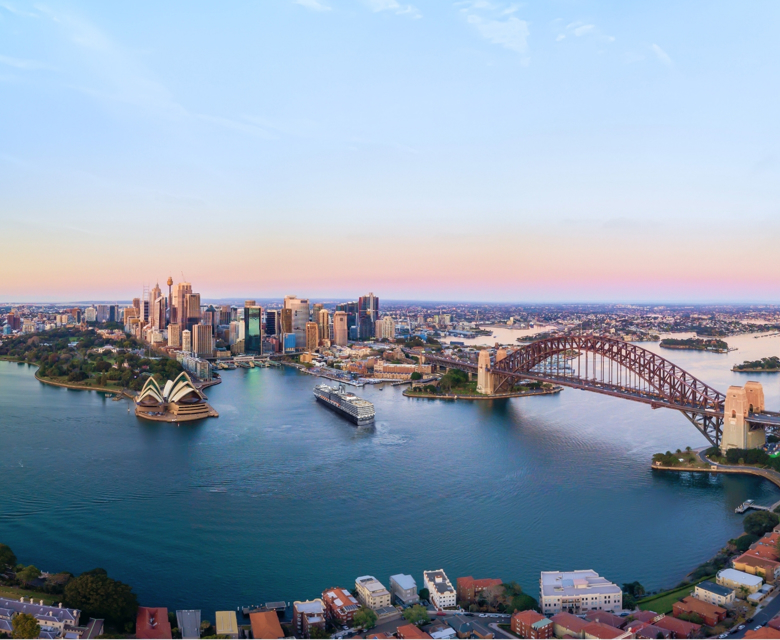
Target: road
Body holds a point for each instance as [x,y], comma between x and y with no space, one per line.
[769,611]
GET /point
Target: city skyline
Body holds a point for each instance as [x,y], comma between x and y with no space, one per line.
[481,151]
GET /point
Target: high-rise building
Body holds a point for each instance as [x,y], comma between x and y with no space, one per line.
[299,308]
[225,312]
[192,309]
[178,309]
[174,335]
[158,313]
[286,320]
[250,303]
[155,293]
[388,328]
[368,313]
[235,332]
[312,336]
[253,329]
[323,324]
[273,322]
[203,341]
[90,314]
[186,341]
[340,330]
[351,309]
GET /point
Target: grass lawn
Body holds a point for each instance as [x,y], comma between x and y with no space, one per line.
[662,602]
[16,593]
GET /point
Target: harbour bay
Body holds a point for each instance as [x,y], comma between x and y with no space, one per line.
[279,498]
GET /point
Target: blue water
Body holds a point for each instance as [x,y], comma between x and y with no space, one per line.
[279,498]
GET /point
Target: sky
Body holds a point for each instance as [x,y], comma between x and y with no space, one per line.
[559,150]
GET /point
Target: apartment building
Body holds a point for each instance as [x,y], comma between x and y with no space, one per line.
[577,591]
[403,589]
[440,588]
[340,605]
[372,593]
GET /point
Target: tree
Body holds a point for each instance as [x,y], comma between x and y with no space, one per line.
[317,632]
[634,588]
[25,626]
[365,618]
[7,557]
[415,376]
[424,594]
[417,615]
[744,541]
[28,574]
[759,522]
[98,596]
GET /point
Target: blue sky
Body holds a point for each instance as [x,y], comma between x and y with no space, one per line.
[478,150]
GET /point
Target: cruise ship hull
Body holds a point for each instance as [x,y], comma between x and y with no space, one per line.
[334,407]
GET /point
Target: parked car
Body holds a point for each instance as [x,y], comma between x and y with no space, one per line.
[740,627]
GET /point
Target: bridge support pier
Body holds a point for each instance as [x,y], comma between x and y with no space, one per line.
[486,381]
[740,403]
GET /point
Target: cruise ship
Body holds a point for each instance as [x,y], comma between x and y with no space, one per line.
[347,404]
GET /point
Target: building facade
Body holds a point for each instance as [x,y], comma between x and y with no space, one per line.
[371,592]
[340,605]
[308,614]
[340,329]
[713,593]
[403,589]
[440,588]
[577,591]
[253,329]
[470,589]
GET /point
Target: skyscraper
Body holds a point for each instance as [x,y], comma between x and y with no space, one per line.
[178,308]
[186,341]
[351,309]
[174,335]
[388,327]
[299,309]
[191,309]
[312,336]
[340,330]
[158,313]
[273,322]
[203,341]
[253,329]
[286,319]
[368,313]
[323,324]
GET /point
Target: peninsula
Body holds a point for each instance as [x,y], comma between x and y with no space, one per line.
[696,344]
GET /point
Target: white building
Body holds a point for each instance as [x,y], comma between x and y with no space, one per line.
[90,314]
[577,591]
[372,593]
[734,579]
[404,589]
[440,588]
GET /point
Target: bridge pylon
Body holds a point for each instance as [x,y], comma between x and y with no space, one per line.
[740,402]
[486,381]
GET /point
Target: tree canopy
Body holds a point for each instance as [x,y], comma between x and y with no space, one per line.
[25,626]
[365,618]
[98,596]
[28,574]
[7,557]
[760,522]
[417,615]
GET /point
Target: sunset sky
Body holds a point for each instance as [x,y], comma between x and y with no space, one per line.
[472,150]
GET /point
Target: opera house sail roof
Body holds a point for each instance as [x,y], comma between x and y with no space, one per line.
[176,401]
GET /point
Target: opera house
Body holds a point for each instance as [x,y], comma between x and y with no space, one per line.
[177,401]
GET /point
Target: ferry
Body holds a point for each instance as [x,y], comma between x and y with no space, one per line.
[345,403]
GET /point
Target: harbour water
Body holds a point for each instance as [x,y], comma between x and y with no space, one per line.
[280,498]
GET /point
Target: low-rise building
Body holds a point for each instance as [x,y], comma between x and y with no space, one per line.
[265,624]
[340,605]
[469,589]
[307,614]
[601,631]
[530,624]
[678,628]
[152,623]
[651,632]
[227,624]
[763,632]
[372,593]
[711,614]
[577,592]
[411,632]
[52,620]
[403,589]
[567,624]
[188,621]
[440,588]
[751,562]
[713,593]
[605,617]
[739,580]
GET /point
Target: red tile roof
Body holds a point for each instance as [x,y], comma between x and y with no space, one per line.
[680,628]
[601,630]
[528,617]
[265,624]
[411,632]
[569,621]
[763,632]
[152,623]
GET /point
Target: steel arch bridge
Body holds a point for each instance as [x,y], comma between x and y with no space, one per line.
[611,367]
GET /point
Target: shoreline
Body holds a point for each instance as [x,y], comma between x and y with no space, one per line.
[74,387]
[500,396]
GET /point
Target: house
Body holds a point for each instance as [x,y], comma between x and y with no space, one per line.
[188,621]
[739,580]
[152,622]
[713,593]
[577,592]
[371,592]
[530,624]
[440,588]
[645,616]
[651,632]
[605,617]
[52,620]
[679,628]
[763,632]
[411,632]
[755,565]
[308,614]
[711,614]
[340,605]
[265,624]
[595,630]
[567,624]
[227,624]
[469,628]
[469,589]
[403,589]
[441,631]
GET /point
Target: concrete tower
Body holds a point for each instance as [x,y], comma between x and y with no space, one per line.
[740,403]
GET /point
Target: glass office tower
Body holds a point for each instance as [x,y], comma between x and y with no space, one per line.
[253,330]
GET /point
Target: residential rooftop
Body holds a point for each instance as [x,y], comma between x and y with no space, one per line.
[574,583]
